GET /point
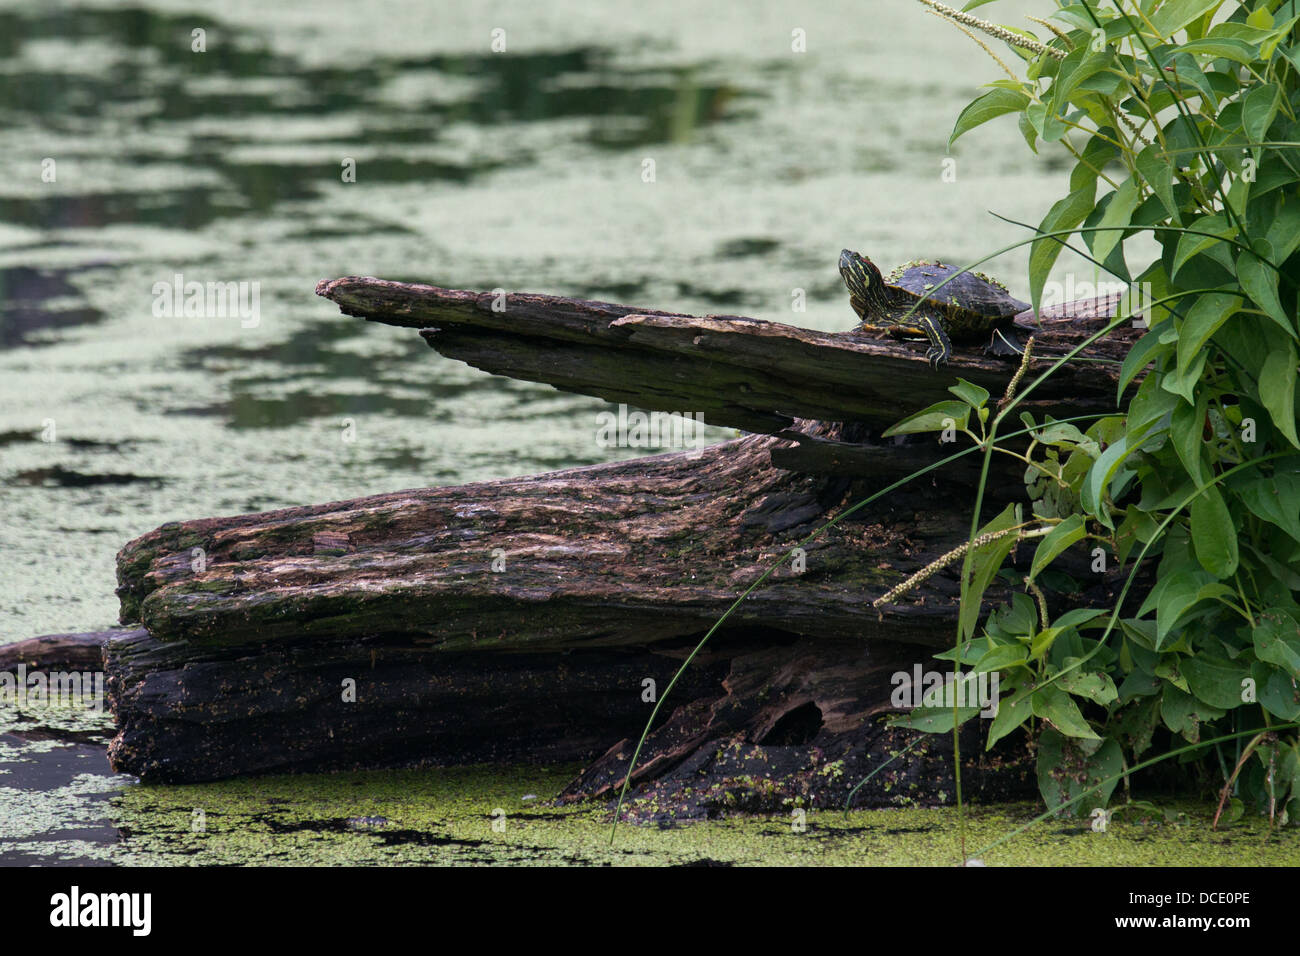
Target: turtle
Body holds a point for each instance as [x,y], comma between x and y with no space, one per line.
[969,308]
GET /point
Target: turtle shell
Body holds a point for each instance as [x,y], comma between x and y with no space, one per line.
[975,294]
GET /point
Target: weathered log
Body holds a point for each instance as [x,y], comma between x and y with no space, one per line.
[60,652]
[519,619]
[734,371]
[624,553]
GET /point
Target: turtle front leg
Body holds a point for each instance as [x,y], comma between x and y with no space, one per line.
[940,349]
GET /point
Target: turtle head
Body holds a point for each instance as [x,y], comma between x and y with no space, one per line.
[862,278]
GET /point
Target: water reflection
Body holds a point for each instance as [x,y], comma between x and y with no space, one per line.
[164,83]
[30,298]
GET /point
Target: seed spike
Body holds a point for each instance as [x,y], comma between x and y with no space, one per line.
[993,30]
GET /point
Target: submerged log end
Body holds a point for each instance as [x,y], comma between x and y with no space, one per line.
[61,652]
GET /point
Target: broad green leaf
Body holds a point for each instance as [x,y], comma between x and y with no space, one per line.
[985,562]
[1146,350]
[1137,682]
[1183,713]
[1057,540]
[1042,642]
[1167,670]
[1214,536]
[1259,281]
[1249,341]
[932,419]
[1097,686]
[1107,84]
[1099,478]
[1078,617]
[1017,619]
[1229,48]
[1054,705]
[1143,634]
[1202,234]
[1277,391]
[1053,432]
[1203,319]
[1277,641]
[1184,74]
[1079,65]
[1215,680]
[1078,17]
[995,103]
[1276,691]
[1046,123]
[1067,769]
[1283,234]
[1095,156]
[1158,171]
[1149,409]
[1029,133]
[1187,431]
[1240,31]
[1274,499]
[1175,15]
[1177,593]
[1119,212]
[1013,710]
[1137,724]
[973,651]
[1183,382]
[1001,657]
[1065,214]
[970,393]
[936,718]
[1271,174]
[1258,109]
[1260,18]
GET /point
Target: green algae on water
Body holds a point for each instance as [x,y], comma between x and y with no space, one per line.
[484,815]
[78,811]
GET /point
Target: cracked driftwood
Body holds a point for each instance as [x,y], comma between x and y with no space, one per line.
[611,573]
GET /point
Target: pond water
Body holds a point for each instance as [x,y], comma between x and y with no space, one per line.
[521,170]
[131,158]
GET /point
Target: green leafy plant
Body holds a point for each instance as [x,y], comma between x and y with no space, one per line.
[1182,114]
